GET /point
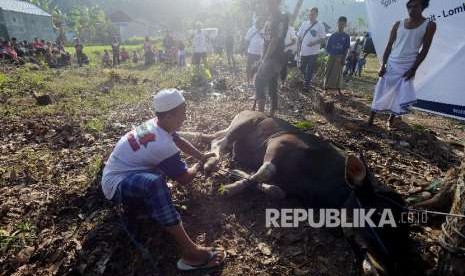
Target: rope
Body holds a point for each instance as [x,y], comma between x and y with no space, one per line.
[442,239]
[373,232]
[146,256]
[445,235]
[422,211]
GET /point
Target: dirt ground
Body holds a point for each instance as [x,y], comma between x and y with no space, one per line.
[55,221]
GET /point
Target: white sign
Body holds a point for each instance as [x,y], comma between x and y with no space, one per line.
[440,79]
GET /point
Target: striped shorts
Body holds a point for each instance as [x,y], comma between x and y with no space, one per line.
[152,190]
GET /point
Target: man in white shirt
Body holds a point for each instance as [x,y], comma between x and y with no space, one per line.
[136,170]
[311,34]
[255,41]
[200,47]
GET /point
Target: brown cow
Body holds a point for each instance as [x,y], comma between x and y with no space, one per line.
[288,162]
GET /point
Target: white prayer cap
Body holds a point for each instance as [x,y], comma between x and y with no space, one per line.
[167,99]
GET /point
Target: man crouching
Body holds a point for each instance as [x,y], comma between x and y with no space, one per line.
[137,167]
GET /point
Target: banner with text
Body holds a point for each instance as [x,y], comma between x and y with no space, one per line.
[440,80]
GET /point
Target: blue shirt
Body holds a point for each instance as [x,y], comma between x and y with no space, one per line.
[338,44]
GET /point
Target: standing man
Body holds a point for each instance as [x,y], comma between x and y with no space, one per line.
[181,54]
[311,34]
[148,53]
[338,45]
[79,52]
[407,48]
[254,40]
[168,44]
[138,165]
[229,45]
[115,49]
[355,52]
[273,57]
[199,44]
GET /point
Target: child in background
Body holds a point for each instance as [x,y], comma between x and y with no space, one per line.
[361,64]
[135,57]
[181,54]
[106,59]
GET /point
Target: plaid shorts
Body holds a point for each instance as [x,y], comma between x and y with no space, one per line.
[151,189]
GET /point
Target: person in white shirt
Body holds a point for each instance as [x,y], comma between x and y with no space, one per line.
[311,34]
[291,47]
[136,170]
[408,46]
[255,41]
[200,47]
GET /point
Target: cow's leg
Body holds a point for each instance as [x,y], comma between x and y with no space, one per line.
[243,124]
[272,191]
[218,141]
[218,147]
[198,137]
[268,170]
[263,175]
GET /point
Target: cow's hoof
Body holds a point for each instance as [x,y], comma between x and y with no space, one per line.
[239,175]
[272,191]
[235,188]
[211,165]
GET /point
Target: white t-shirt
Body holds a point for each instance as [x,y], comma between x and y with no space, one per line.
[289,37]
[199,42]
[144,149]
[256,41]
[316,33]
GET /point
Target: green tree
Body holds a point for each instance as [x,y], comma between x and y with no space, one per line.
[361,23]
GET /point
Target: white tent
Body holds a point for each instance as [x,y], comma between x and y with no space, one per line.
[440,80]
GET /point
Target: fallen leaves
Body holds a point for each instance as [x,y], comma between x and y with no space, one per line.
[264,248]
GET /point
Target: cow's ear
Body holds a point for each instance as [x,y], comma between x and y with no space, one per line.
[356,171]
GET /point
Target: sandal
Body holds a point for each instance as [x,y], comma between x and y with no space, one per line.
[182,266]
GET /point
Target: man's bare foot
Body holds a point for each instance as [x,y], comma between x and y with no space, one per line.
[390,126]
[390,123]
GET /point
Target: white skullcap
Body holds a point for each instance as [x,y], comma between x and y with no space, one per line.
[167,99]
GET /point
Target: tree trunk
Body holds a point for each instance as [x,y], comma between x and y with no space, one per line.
[297,7]
[452,255]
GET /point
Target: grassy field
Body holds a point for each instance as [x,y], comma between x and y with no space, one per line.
[83,92]
[95,53]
